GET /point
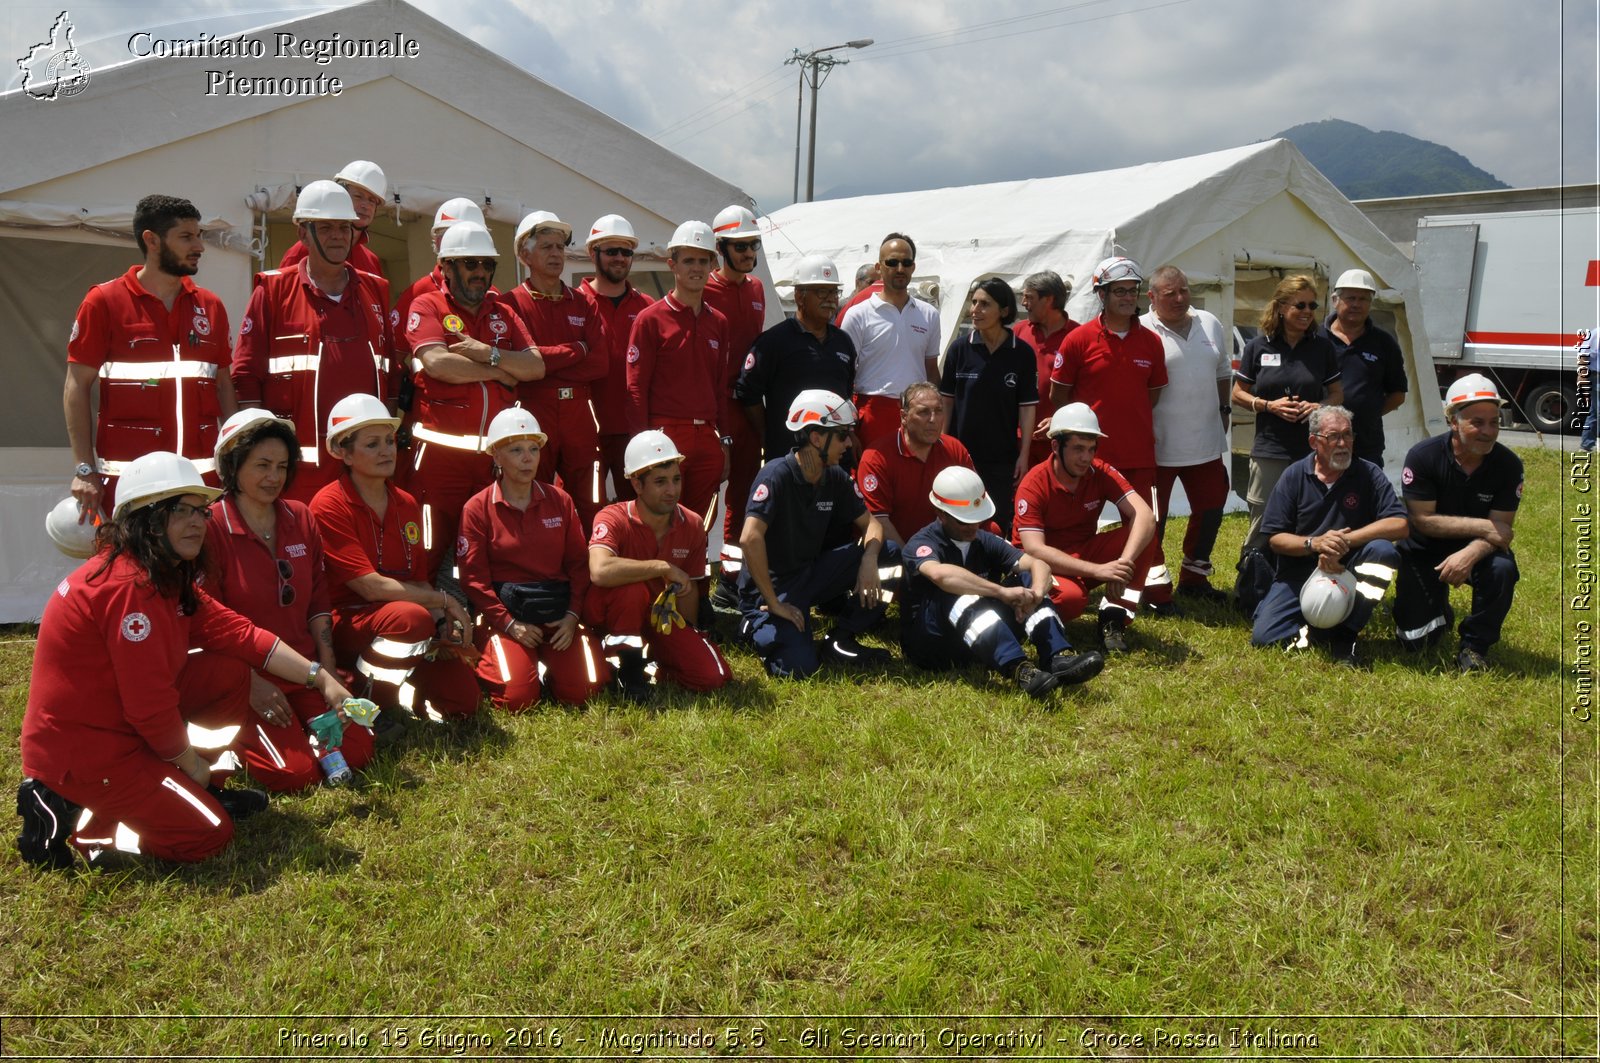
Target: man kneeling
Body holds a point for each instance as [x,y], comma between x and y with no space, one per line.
[970,595]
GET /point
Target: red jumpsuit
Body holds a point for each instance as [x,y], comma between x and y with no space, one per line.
[503,544]
[1069,522]
[299,352]
[158,372]
[610,393]
[280,590]
[361,256]
[677,382]
[745,307]
[386,641]
[113,684]
[572,343]
[448,465]
[623,613]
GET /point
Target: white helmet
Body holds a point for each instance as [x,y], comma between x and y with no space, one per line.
[1474,387]
[1075,418]
[693,234]
[817,408]
[816,269]
[324,201]
[734,222]
[368,175]
[1114,269]
[959,492]
[512,423]
[1355,279]
[647,450]
[541,219]
[467,239]
[353,412]
[454,210]
[611,227]
[233,429]
[1326,598]
[71,538]
[159,475]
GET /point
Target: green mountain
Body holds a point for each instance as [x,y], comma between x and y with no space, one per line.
[1368,165]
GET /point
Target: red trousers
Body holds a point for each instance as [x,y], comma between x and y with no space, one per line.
[571,449]
[623,614]
[743,465]
[1070,595]
[877,416]
[1206,486]
[513,672]
[613,449]
[386,643]
[443,478]
[701,448]
[1143,481]
[281,758]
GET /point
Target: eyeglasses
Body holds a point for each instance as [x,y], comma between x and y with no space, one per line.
[617,252]
[898,263]
[183,511]
[285,588]
[742,246]
[1337,437]
[470,264]
[1126,291]
[1304,306]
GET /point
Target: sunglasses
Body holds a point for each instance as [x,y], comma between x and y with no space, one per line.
[897,263]
[742,246]
[1304,306]
[470,264]
[285,588]
[617,252]
[183,511]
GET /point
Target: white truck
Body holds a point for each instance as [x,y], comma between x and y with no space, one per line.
[1512,296]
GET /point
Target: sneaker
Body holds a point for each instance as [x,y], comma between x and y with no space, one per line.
[843,648]
[1201,592]
[1035,682]
[238,802]
[1072,667]
[1470,660]
[1113,632]
[1170,610]
[47,820]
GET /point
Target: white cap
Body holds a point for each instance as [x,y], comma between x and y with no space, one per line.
[693,234]
[733,222]
[455,210]
[541,219]
[647,450]
[368,175]
[324,201]
[1474,387]
[818,408]
[71,537]
[467,239]
[611,227]
[959,492]
[1355,279]
[159,475]
[353,412]
[1326,598]
[1114,269]
[512,423]
[816,269]
[1075,418]
[233,428]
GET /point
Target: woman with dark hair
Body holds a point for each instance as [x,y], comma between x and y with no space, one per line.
[991,393]
[1285,372]
[109,744]
[268,564]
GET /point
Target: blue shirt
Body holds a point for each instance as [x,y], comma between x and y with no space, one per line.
[786,360]
[987,391]
[1371,368]
[801,516]
[1432,474]
[988,556]
[1274,370]
[1304,505]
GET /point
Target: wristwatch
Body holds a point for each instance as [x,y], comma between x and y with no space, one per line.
[494,358]
[311,677]
[84,470]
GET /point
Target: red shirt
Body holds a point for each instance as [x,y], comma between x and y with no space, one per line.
[616,319]
[1068,519]
[356,543]
[361,256]
[462,409]
[105,670]
[567,332]
[895,482]
[500,543]
[1114,376]
[248,576]
[745,307]
[619,529]
[428,282]
[676,370]
[1045,349]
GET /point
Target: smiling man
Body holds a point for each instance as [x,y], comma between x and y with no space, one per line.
[896,337]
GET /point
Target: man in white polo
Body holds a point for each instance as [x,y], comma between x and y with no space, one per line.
[897,340]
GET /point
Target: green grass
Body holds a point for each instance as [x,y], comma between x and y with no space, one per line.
[1204,830]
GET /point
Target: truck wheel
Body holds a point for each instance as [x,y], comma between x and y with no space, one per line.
[1550,405]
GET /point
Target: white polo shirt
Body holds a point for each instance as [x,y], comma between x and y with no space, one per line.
[891,344]
[1188,419]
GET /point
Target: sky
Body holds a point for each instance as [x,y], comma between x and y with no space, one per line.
[956,93]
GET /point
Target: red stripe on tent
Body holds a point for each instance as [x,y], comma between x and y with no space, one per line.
[1523,339]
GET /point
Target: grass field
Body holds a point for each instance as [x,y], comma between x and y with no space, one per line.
[1206,842]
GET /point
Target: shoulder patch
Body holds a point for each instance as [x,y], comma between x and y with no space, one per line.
[870,482]
[601,529]
[1022,506]
[924,550]
[136,627]
[760,493]
[413,321]
[1407,476]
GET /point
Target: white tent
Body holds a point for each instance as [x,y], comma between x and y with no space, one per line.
[455,120]
[1234,221]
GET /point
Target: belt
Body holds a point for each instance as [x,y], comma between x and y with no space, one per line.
[445,439]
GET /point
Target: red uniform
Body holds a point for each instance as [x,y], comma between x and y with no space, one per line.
[280,590]
[623,612]
[745,307]
[158,371]
[677,382]
[300,351]
[113,684]
[504,544]
[571,340]
[1045,349]
[361,256]
[385,641]
[895,482]
[448,465]
[1069,520]
[616,317]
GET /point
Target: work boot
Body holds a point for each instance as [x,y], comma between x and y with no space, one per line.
[843,648]
[726,595]
[1113,632]
[47,820]
[632,681]
[1201,592]
[1034,682]
[1071,667]
[1167,610]
[1470,660]
[239,802]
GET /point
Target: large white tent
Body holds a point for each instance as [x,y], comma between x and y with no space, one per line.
[455,120]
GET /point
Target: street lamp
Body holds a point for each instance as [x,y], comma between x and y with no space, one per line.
[820,63]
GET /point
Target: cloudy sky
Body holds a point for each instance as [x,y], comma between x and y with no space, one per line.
[956,93]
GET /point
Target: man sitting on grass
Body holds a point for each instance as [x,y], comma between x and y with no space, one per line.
[970,595]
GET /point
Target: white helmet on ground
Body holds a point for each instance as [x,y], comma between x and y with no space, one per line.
[1075,418]
[959,492]
[233,429]
[513,423]
[817,408]
[353,412]
[1326,598]
[456,210]
[816,269]
[71,537]
[324,201]
[467,239]
[368,175]
[541,219]
[159,475]
[1114,269]
[1474,387]
[695,235]
[647,450]
[734,222]
[611,227]
[1355,280]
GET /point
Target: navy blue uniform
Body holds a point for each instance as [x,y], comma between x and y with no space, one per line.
[785,360]
[1274,370]
[986,392]
[1371,369]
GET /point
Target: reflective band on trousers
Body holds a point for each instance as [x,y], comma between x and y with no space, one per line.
[177,370]
[1374,579]
[980,623]
[172,784]
[632,642]
[379,674]
[1158,576]
[1420,632]
[444,439]
[962,604]
[1039,616]
[399,651]
[209,738]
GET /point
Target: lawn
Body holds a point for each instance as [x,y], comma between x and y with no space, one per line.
[1208,850]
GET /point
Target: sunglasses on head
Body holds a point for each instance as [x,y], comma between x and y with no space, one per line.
[897,263]
[617,252]
[470,264]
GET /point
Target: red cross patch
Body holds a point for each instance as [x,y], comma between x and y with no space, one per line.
[136,627]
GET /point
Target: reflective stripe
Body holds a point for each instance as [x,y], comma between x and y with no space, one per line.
[170,783]
[1375,570]
[427,526]
[894,572]
[115,468]
[379,674]
[294,363]
[399,651]
[272,750]
[124,840]
[1416,633]
[962,604]
[227,761]
[1158,577]
[407,697]
[722,667]
[209,738]
[633,642]
[1199,568]
[732,552]
[588,661]
[981,623]
[175,370]
[311,454]
[500,658]
[1041,615]
[445,439]
[1301,641]
[1368,590]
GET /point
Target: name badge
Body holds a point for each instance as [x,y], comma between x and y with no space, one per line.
[1271,358]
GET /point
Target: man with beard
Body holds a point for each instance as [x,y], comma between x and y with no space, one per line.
[616,304]
[449,212]
[367,187]
[1330,511]
[158,344]
[896,338]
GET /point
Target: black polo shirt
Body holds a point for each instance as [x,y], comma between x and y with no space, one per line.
[988,556]
[1304,505]
[988,389]
[1432,474]
[1371,368]
[1274,370]
[800,516]
[785,360]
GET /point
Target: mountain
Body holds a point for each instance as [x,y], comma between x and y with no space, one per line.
[1368,165]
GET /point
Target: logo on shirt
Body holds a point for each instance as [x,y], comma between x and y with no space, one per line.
[760,493]
[75,329]
[452,323]
[824,505]
[919,330]
[842,356]
[633,355]
[498,326]
[412,533]
[295,550]
[757,305]
[1022,506]
[1484,496]
[244,329]
[461,546]
[1058,360]
[1011,380]
[600,530]
[924,550]
[1369,356]
[551,522]
[680,552]
[576,320]
[61,588]
[714,344]
[202,324]
[1142,363]
[1407,476]
[1351,500]
[750,360]
[870,482]
[394,318]
[413,321]
[136,627]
